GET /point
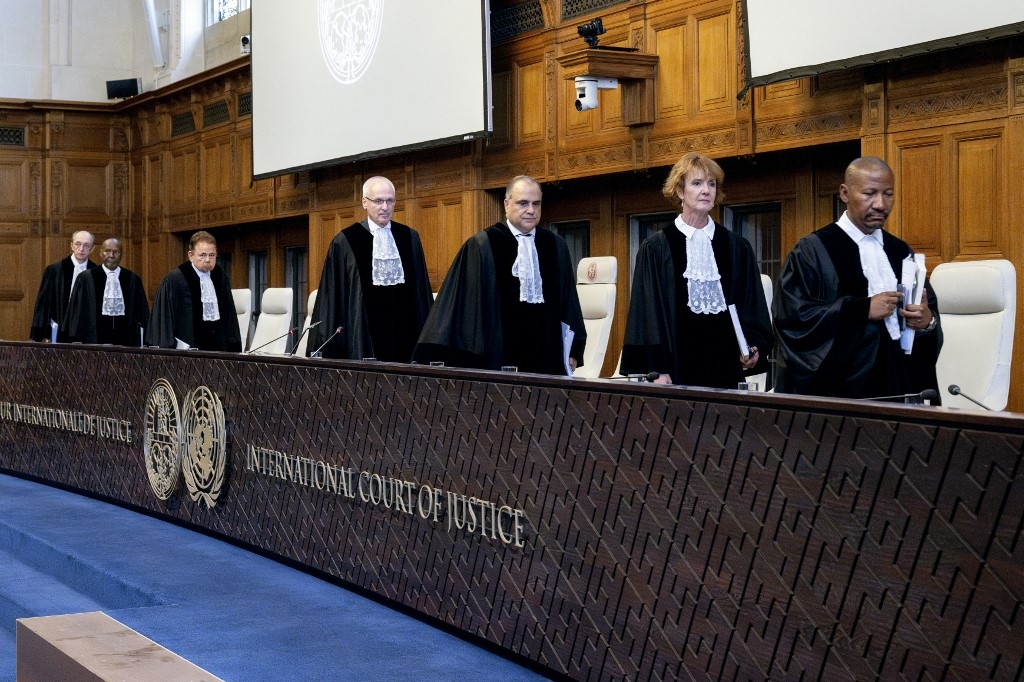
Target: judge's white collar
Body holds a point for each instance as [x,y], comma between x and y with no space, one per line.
[688,230]
[855,233]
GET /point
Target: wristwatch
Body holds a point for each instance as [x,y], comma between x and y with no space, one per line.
[931,325]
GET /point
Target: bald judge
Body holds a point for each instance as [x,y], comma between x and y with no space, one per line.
[506,296]
[108,304]
[837,310]
[374,287]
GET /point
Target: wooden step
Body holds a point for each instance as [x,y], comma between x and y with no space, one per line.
[93,647]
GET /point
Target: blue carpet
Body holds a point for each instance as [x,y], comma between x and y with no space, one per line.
[236,614]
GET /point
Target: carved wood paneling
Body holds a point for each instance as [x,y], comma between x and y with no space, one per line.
[673,70]
[980,176]
[919,194]
[13,190]
[715,76]
[529,102]
[87,192]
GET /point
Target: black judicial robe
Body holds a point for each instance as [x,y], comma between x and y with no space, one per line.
[52,300]
[85,320]
[178,312]
[829,347]
[478,320]
[663,335]
[381,322]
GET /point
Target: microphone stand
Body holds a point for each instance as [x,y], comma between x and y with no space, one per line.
[264,345]
[329,339]
[921,396]
[299,340]
[955,390]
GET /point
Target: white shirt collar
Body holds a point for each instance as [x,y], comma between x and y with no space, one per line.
[374,226]
[688,230]
[115,271]
[200,272]
[78,264]
[516,231]
[855,233]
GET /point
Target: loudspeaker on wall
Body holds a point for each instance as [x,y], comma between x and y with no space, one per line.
[120,89]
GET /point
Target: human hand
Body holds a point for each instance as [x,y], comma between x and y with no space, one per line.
[918,316]
[751,360]
[883,304]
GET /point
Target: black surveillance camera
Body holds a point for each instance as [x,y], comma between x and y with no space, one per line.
[590,31]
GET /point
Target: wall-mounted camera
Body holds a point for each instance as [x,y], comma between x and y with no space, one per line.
[246,44]
[586,90]
[590,31]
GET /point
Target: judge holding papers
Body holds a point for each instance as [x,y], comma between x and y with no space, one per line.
[685,280]
[509,297]
[193,306]
[839,307]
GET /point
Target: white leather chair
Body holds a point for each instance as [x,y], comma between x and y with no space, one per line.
[977,304]
[275,319]
[243,307]
[304,341]
[595,284]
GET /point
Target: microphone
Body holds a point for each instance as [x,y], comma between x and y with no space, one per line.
[650,376]
[955,390]
[926,394]
[290,331]
[329,339]
[304,331]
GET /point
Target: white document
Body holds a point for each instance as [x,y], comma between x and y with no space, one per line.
[181,345]
[912,286]
[53,331]
[744,348]
[567,336]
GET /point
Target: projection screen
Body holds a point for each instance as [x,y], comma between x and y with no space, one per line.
[794,38]
[342,80]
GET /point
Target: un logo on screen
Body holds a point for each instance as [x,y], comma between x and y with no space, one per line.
[189,444]
[349,32]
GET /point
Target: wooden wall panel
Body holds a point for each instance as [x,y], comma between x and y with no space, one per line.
[86,188]
[672,95]
[716,58]
[529,101]
[979,175]
[13,186]
[919,194]
[217,170]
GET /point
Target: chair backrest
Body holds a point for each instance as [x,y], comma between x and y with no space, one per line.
[304,341]
[595,284]
[977,304]
[275,319]
[243,307]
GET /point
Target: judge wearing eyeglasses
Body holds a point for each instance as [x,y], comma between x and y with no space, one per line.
[374,286]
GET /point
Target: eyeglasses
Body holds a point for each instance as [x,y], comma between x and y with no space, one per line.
[80,245]
[380,202]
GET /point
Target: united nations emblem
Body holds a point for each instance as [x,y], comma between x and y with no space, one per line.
[349,33]
[162,442]
[204,451]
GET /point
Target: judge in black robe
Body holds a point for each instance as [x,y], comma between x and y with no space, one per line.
[55,288]
[664,334]
[832,341]
[478,319]
[178,309]
[86,322]
[376,321]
